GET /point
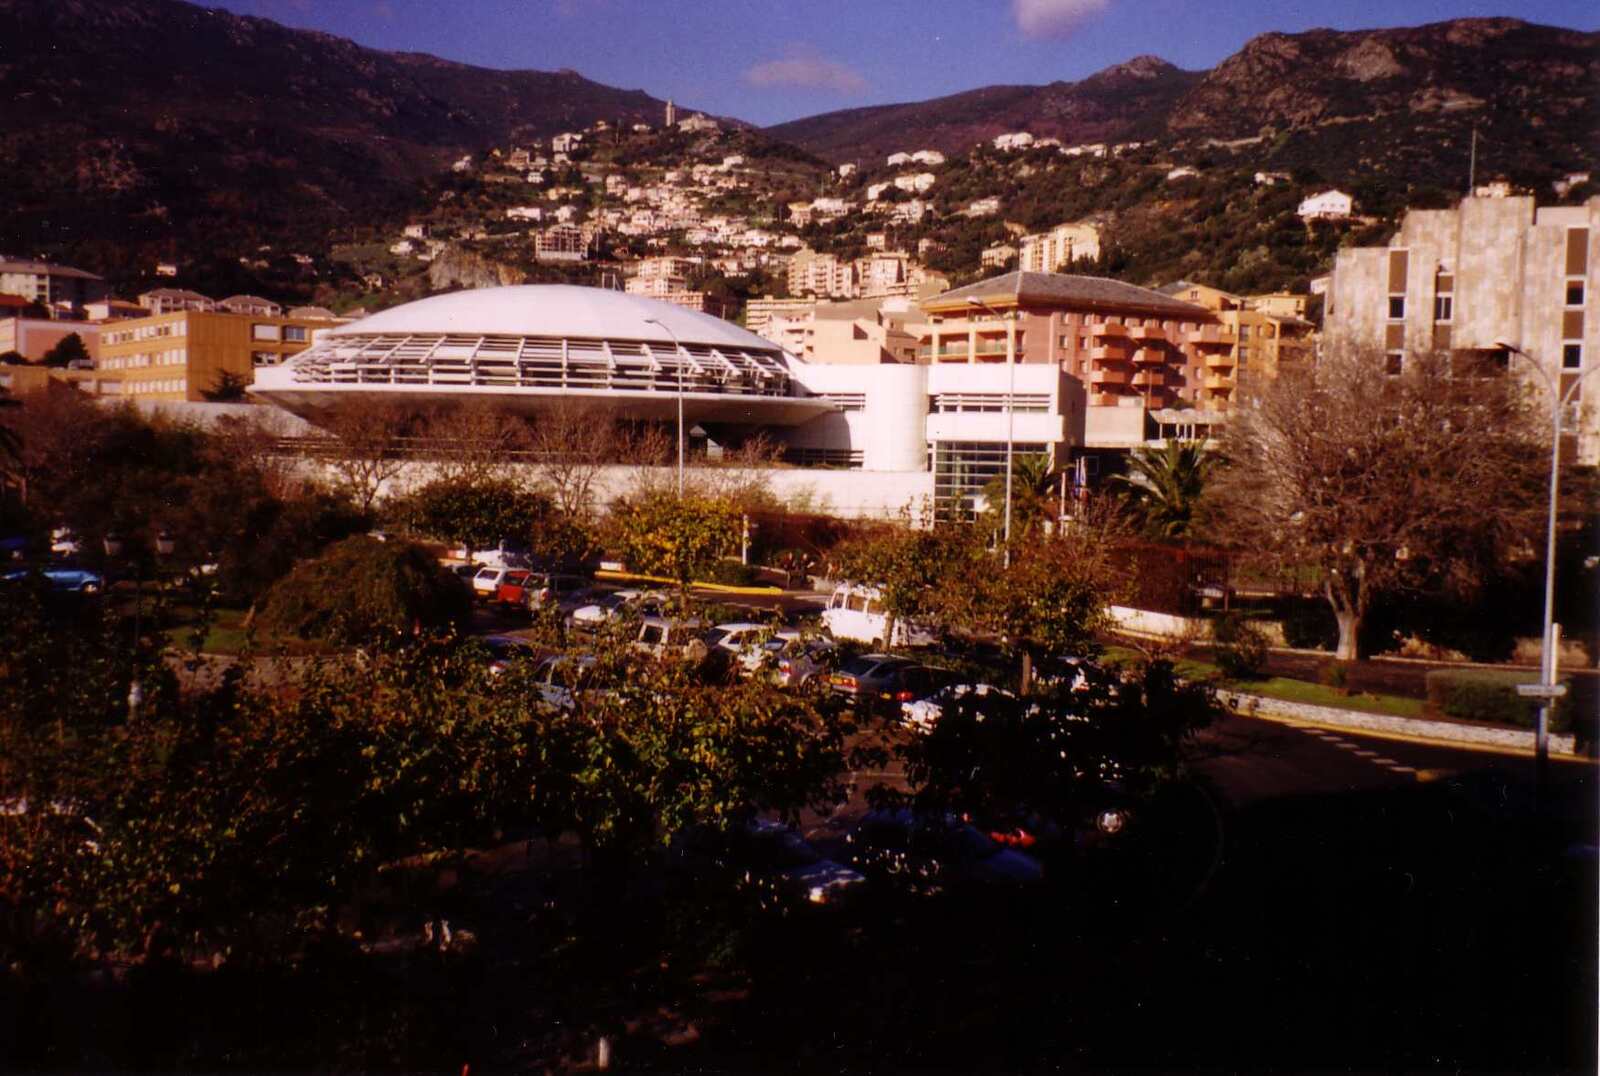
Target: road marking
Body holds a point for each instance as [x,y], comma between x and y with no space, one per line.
[1380,760]
[1434,775]
[1364,753]
[1397,768]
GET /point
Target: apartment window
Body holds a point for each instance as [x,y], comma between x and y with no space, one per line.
[264,358]
[1397,307]
[1574,293]
[295,334]
[1443,308]
[265,332]
[1572,356]
[1394,363]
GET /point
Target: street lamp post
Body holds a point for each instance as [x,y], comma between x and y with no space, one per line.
[1547,692]
[679,354]
[1011,421]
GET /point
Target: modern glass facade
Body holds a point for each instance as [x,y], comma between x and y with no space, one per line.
[962,468]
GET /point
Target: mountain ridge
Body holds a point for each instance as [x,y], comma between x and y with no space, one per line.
[1275,82]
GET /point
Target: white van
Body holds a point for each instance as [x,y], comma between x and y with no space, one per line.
[857,612]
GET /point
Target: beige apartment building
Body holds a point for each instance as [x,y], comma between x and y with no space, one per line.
[58,286]
[1136,351]
[1493,274]
[862,332]
[1052,251]
[182,355]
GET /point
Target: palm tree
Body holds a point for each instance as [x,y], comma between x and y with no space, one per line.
[1165,484]
[1033,493]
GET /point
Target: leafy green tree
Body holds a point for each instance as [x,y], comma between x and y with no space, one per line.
[477,513]
[659,534]
[71,349]
[1166,484]
[913,568]
[361,589]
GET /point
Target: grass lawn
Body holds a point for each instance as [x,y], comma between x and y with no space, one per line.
[228,635]
[1281,687]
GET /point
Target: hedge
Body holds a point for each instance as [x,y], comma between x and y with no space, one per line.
[1490,695]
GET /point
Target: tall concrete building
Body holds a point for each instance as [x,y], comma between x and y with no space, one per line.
[1494,273]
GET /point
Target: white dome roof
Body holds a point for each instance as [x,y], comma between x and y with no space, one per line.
[555,310]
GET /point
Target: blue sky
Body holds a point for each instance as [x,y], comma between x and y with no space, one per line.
[767,61]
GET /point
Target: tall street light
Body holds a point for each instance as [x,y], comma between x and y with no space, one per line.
[1011,421]
[679,353]
[1547,691]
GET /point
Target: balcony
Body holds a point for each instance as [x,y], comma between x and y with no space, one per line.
[1211,336]
[1105,399]
[1117,352]
[1147,332]
[1150,355]
[1106,328]
[1150,378]
[962,352]
[1218,381]
[1108,377]
[1222,361]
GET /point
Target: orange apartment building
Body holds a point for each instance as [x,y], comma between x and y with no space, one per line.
[1270,331]
[182,355]
[1136,351]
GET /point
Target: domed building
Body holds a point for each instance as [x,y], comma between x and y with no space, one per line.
[862,438]
[525,347]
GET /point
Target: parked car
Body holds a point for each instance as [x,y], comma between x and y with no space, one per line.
[856,612]
[487,579]
[65,580]
[790,659]
[932,853]
[617,604]
[505,649]
[661,636]
[560,679]
[923,714]
[885,677]
[773,852]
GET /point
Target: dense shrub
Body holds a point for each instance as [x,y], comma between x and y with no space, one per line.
[1490,695]
[361,588]
[732,573]
[1334,674]
[1241,647]
[1311,626]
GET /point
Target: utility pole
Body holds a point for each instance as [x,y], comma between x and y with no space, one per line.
[1472,169]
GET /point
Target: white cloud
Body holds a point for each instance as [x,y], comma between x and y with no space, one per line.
[806,72]
[1055,18]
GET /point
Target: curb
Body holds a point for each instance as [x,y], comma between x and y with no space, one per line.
[1479,737]
[720,588]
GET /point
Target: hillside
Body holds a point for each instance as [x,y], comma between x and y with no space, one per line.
[1400,103]
[1120,103]
[244,130]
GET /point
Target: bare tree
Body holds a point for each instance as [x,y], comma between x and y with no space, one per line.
[474,441]
[1384,482]
[571,441]
[368,445]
